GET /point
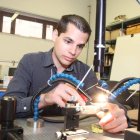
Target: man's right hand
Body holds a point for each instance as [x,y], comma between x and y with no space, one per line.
[60,95]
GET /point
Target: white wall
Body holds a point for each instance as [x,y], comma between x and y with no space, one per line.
[130,8]
[49,8]
[13,47]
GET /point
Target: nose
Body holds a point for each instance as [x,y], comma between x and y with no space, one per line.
[73,49]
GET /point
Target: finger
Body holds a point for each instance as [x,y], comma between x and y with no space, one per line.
[65,96]
[117,112]
[73,99]
[116,125]
[111,108]
[116,122]
[51,98]
[74,93]
[100,114]
[106,119]
[119,128]
[60,102]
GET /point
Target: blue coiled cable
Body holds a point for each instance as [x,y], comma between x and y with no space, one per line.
[65,76]
[128,84]
[59,76]
[36,112]
[103,84]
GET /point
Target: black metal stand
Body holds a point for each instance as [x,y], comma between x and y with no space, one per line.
[132,134]
[71,119]
[71,124]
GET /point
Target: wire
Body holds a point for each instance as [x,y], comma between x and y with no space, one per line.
[84,76]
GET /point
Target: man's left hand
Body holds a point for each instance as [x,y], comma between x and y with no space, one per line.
[114,120]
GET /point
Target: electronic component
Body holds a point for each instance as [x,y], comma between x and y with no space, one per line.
[8,130]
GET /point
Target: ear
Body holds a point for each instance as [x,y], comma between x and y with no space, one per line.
[54,35]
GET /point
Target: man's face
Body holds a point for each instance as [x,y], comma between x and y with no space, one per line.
[68,45]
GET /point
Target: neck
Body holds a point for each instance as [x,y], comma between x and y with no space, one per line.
[59,66]
[60,69]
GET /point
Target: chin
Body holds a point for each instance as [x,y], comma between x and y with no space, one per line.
[66,64]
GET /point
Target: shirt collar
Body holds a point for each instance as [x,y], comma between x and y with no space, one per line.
[70,68]
[48,61]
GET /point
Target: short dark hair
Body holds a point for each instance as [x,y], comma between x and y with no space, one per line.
[77,20]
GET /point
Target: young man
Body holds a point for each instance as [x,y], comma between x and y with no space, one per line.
[35,69]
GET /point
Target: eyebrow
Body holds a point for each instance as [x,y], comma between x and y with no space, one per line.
[73,41]
[69,39]
[82,45]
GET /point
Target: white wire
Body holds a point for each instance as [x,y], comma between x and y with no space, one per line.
[132,95]
[84,76]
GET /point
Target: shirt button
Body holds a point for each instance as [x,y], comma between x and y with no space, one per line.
[25,108]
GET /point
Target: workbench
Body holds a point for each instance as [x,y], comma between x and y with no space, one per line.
[48,131]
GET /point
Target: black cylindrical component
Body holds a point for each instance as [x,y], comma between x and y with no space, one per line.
[8,109]
[99,44]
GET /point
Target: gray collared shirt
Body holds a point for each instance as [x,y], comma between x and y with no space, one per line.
[33,72]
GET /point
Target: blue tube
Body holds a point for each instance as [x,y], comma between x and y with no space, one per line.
[128,84]
[50,81]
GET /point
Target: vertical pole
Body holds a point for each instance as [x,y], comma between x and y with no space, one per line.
[88,41]
[99,43]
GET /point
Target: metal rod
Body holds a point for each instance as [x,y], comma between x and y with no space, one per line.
[99,43]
